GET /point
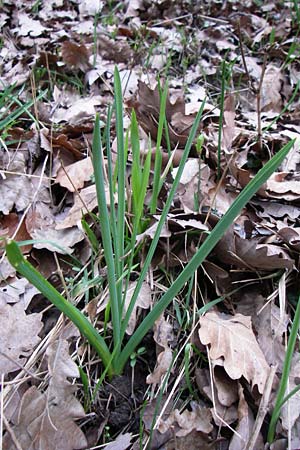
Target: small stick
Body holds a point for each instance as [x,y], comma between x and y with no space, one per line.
[262,410]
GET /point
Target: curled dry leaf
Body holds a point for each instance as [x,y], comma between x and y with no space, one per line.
[74,176]
[269,325]
[244,427]
[271,87]
[46,420]
[147,106]
[223,403]
[290,411]
[41,224]
[19,336]
[163,334]
[198,419]
[252,253]
[85,201]
[19,290]
[80,110]
[143,301]
[121,443]
[233,345]
[75,56]
[190,184]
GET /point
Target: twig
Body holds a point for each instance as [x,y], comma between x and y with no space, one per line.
[258,102]
[12,434]
[263,409]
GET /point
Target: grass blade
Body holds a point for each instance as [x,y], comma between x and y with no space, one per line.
[106,232]
[209,243]
[18,261]
[285,374]
[161,222]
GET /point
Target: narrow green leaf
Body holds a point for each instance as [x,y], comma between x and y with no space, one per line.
[23,267]
[106,232]
[205,249]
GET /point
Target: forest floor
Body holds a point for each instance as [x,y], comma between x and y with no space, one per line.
[200,378]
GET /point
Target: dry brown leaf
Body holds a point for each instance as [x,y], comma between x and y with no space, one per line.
[226,410]
[15,190]
[291,236]
[189,183]
[192,441]
[198,419]
[18,337]
[120,443]
[269,325]
[85,202]
[147,105]
[41,224]
[143,301]
[6,269]
[46,420]
[75,56]
[74,176]
[244,427]
[79,111]
[290,411]
[28,26]
[229,122]
[233,345]
[163,363]
[163,334]
[252,253]
[271,88]
[20,291]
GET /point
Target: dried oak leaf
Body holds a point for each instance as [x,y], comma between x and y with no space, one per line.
[75,55]
[46,420]
[74,176]
[233,345]
[198,419]
[41,225]
[143,301]
[146,104]
[120,443]
[224,398]
[117,50]
[290,411]
[252,253]
[163,333]
[269,325]
[18,337]
[244,427]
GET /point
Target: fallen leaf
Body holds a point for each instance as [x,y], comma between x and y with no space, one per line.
[233,345]
[85,201]
[74,176]
[244,427]
[271,88]
[79,111]
[75,56]
[223,405]
[41,223]
[120,443]
[269,325]
[163,334]
[19,290]
[198,419]
[19,336]
[46,420]
[143,301]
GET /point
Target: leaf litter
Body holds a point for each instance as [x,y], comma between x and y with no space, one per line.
[209,397]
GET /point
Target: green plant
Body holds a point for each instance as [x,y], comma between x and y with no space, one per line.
[117,245]
[280,399]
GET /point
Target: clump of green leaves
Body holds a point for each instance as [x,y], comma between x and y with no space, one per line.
[119,244]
